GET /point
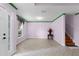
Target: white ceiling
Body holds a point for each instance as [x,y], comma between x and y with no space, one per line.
[46,11]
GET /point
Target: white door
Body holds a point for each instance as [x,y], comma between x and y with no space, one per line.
[4,32]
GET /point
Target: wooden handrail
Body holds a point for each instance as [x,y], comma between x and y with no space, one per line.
[11,4]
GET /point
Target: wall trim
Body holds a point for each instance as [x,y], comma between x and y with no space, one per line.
[12,52]
[60,44]
[20,40]
[11,4]
[59,16]
[76,42]
[77,13]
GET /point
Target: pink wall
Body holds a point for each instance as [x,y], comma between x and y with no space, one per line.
[38,30]
[69,25]
[76,30]
[58,27]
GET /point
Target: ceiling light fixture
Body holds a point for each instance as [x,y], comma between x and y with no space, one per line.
[39,18]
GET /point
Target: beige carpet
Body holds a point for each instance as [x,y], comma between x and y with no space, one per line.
[44,47]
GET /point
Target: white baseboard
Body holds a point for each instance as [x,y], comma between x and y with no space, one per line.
[76,42]
[12,52]
[60,43]
[20,40]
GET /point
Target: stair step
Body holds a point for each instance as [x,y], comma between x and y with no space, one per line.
[70,44]
[69,41]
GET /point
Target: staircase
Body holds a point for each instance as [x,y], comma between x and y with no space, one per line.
[68,41]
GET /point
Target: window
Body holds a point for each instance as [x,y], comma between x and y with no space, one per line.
[20,29]
[20,26]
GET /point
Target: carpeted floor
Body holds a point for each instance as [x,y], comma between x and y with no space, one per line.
[44,47]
